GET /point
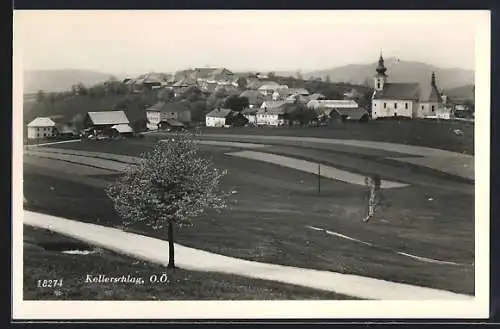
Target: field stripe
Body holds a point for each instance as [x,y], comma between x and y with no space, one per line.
[423,259]
[88,161]
[53,143]
[156,251]
[311,167]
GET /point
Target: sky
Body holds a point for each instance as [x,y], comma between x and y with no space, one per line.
[132,42]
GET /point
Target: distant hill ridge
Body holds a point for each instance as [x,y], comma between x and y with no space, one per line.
[60,80]
[398,71]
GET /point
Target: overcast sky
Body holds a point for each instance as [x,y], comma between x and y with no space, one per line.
[129,42]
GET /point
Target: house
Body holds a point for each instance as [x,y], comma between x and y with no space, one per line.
[296,98]
[281,94]
[271,116]
[224,117]
[317,96]
[41,127]
[272,104]
[299,91]
[270,87]
[181,86]
[349,114]
[163,111]
[105,120]
[251,115]
[403,99]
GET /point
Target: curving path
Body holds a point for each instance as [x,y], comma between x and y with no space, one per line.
[156,251]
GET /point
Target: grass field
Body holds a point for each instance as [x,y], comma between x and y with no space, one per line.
[43,260]
[427,133]
[272,207]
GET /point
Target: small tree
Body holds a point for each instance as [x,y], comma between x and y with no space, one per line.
[169,186]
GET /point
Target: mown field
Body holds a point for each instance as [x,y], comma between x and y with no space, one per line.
[272,207]
[42,260]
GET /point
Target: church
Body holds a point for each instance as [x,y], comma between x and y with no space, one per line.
[403,99]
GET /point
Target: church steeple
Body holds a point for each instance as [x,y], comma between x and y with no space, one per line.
[381,69]
[381,76]
[433,79]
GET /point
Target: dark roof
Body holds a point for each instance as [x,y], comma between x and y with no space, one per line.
[430,93]
[250,111]
[169,107]
[219,113]
[173,123]
[397,91]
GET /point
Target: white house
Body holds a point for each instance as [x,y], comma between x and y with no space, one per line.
[41,127]
[403,99]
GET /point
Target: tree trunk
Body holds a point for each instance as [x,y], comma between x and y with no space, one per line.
[171,260]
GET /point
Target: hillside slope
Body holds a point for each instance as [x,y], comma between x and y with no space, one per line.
[60,80]
[399,71]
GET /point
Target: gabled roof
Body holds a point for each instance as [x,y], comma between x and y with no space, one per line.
[333,103]
[272,104]
[219,113]
[399,91]
[42,122]
[123,128]
[108,117]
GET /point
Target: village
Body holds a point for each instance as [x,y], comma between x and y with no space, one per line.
[255,100]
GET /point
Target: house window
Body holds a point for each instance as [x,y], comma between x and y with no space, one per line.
[422,107]
[395,105]
[378,85]
[406,106]
[385,105]
[432,107]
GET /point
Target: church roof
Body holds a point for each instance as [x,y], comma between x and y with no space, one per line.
[430,93]
[399,91]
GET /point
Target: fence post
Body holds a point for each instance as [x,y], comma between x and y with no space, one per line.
[319,178]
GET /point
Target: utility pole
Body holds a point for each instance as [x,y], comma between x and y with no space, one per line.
[319,178]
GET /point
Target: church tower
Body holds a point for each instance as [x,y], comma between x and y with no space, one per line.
[380,78]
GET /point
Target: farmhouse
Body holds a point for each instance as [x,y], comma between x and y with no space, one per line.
[250,114]
[161,112]
[349,114]
[106,120]
[403,99]
[224,117]
[271,115]
[270,87]
[41,127]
